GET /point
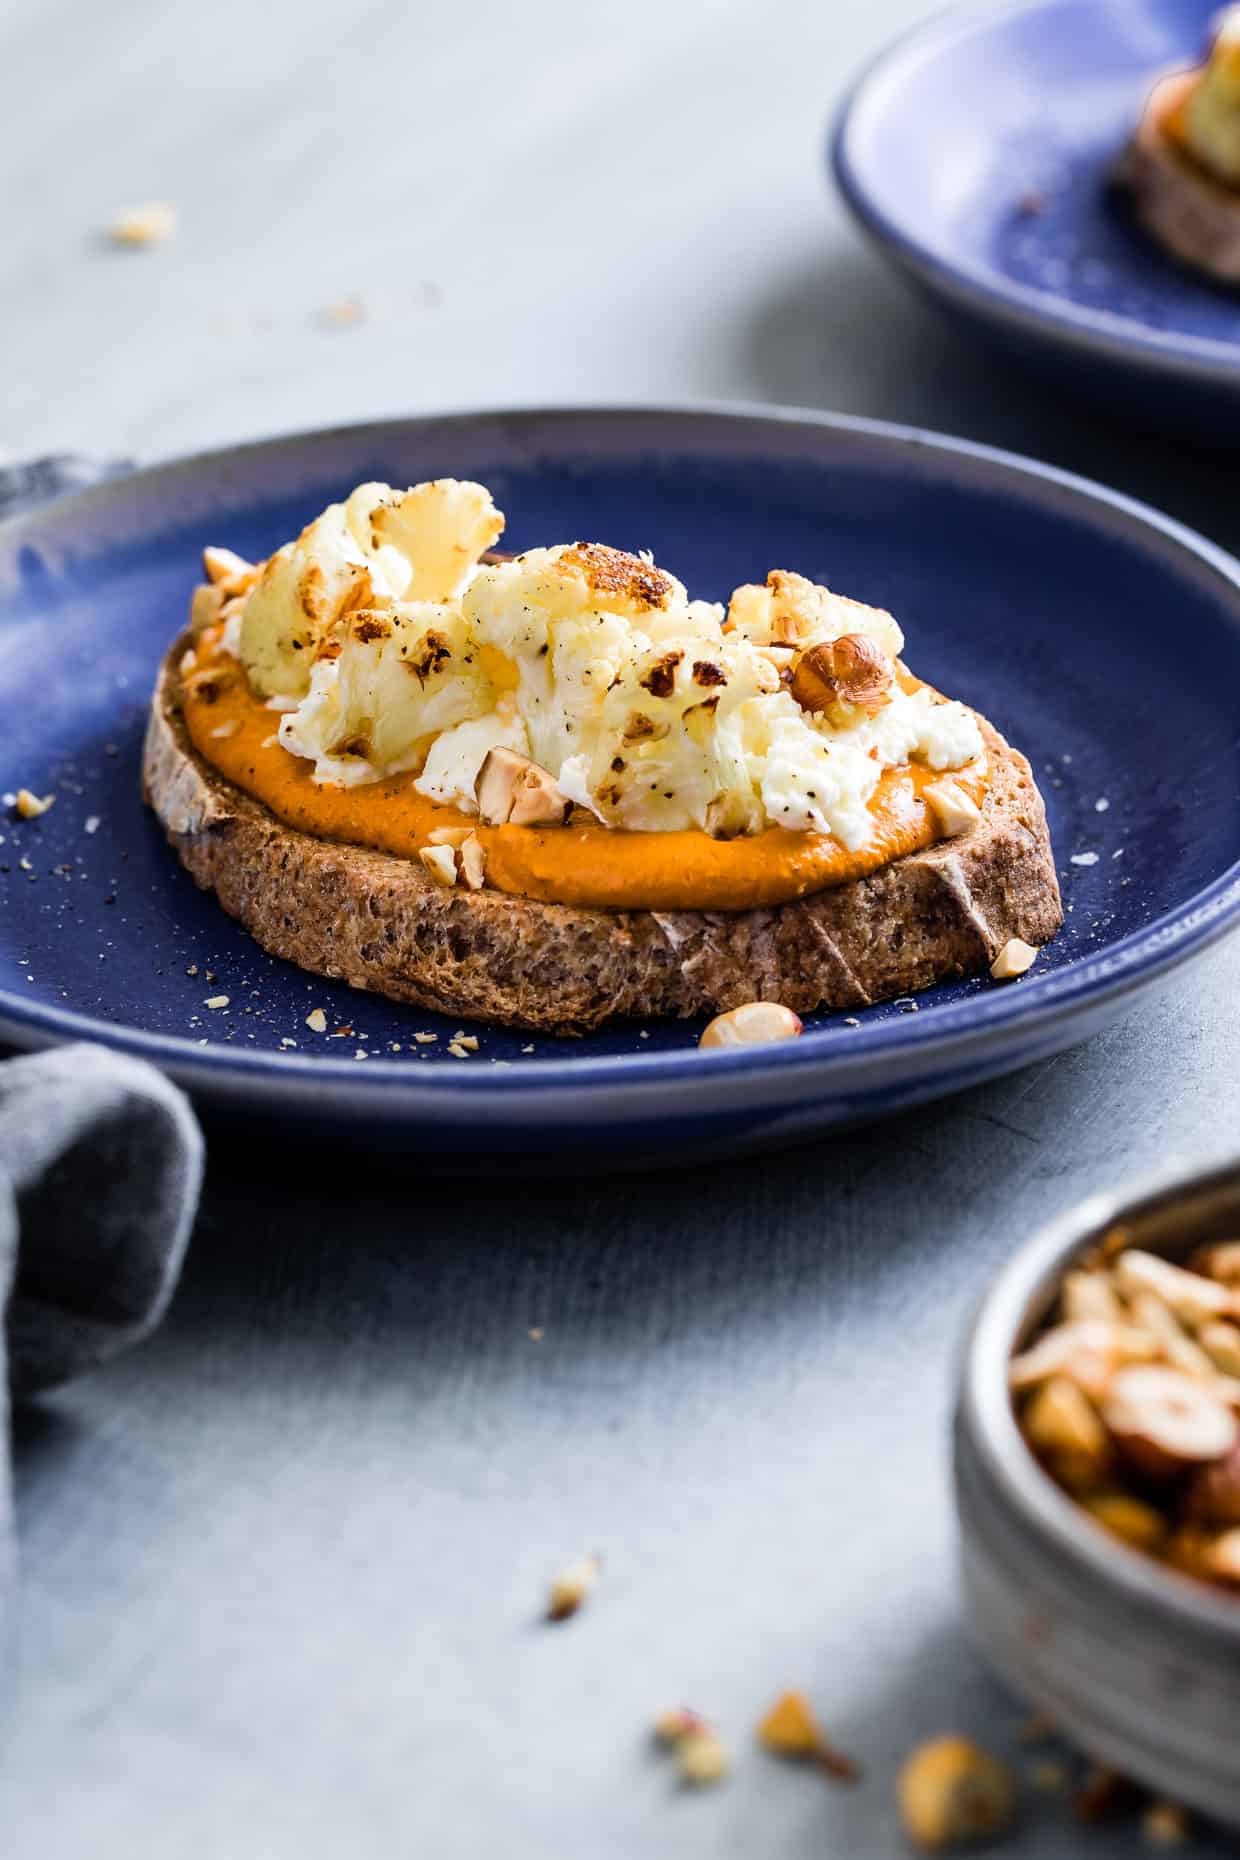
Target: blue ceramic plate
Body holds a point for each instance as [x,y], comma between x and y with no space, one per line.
[976,153]
[1041,599]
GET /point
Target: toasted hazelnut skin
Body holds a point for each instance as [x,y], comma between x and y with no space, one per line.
[754,1023]
[849,670]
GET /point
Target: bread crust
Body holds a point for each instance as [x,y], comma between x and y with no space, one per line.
[381,923]
[1191,214]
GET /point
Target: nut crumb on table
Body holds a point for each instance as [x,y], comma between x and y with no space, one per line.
[572,1588]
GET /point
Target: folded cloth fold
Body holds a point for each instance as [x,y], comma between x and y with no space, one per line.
[100,1167]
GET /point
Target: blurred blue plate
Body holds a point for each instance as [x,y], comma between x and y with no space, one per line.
[1045,601]
[976,153]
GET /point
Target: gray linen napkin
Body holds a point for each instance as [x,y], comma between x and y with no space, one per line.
[100,1167]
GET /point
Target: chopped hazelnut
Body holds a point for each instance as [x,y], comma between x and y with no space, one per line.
[216,1001]
[1221,1343]
[146,225]
[755,1023]
[30,806]
[951,1791]
[1015,958]
[1164,1422]
[571,1589]
[851,670]
[1193,1299]
[790,1729]
[1090,1295]
[513,790]
[1063,1428]
[316,1020]
[1130,1519]
[448,836]
[1148,1311]
[1088,1353]
[678,1721]
[473,862]
[702,1759]
[440,862]
[954,811]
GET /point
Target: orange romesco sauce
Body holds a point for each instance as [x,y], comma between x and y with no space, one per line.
[583,863]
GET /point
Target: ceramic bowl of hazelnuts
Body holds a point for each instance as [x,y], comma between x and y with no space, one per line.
[1097,1471]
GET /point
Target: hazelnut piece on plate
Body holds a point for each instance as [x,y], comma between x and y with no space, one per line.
[754,1023]
[1015,958]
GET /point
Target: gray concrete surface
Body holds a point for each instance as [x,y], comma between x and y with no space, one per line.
[282,1566]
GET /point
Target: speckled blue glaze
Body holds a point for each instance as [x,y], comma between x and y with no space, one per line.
[1037,597]
[977,151]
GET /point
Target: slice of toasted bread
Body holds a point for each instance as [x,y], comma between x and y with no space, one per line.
[1188,211]
[382,923]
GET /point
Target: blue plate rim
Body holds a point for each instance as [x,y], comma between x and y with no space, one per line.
[974,287]
[1022,1015]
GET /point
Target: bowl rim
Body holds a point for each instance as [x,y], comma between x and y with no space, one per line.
[985,1411]
[983,289]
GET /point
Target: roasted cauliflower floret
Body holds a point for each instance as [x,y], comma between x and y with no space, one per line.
[385,683]
[360,555]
